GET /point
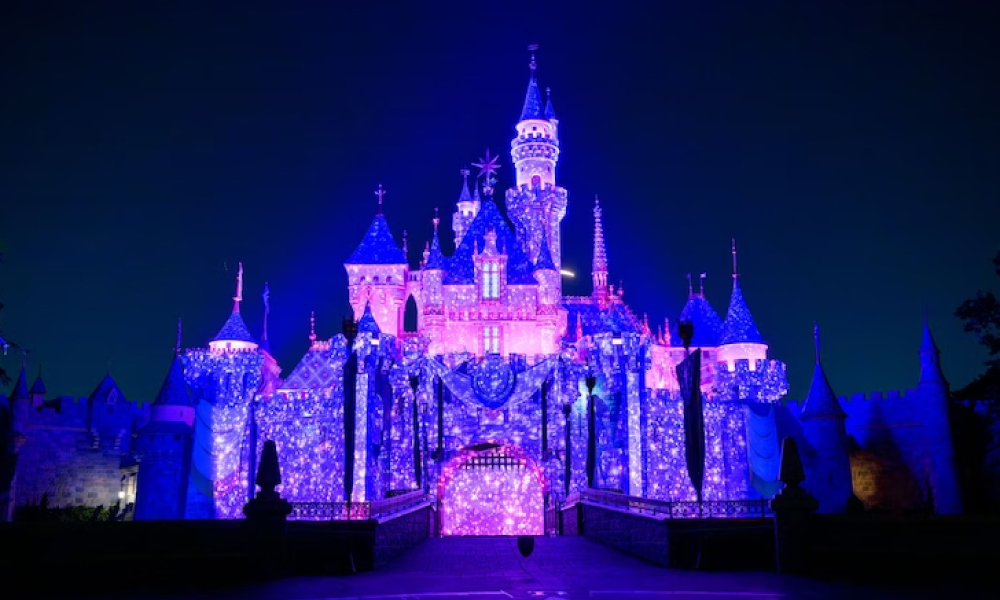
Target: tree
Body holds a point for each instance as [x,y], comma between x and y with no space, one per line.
[982,317]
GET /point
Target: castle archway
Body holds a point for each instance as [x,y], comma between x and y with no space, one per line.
[492,489]
[410,315]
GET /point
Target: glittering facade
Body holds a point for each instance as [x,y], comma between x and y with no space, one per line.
[484,403]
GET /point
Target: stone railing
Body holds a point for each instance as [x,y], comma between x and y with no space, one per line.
[330,511]
[707,509]
[396,504]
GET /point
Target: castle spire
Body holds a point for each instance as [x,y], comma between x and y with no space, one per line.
[378,246]
[821,401]
[599,272]
[690,287]
[550,112]
[20,391]
[177,344]
[532,98]
[739,327]
[239,290]
[38,387]
[435,258]
[379,192]
[930,358]
[312,327]
[465,196]
[266,296]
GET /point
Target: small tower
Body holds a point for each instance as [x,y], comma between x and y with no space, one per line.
[234,335]
[740,339]
[376,273]
[432,281]
[163,447]
[930,406]
[467,208]
[535,148]
[549,298]
[599,271]
[823,426]
[37,390]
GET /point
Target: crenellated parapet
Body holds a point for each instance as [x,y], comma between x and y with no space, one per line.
[750,380]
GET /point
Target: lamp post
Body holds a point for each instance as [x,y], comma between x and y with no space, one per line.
[591,383]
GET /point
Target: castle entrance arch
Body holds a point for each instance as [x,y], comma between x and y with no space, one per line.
[492,489]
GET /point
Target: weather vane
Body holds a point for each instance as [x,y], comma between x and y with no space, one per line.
[488,167]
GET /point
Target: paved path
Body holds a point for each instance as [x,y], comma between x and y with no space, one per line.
[563,568]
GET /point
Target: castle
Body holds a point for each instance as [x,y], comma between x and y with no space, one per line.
[484,401]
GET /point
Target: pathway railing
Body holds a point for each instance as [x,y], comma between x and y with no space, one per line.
[676,509]
[355,511]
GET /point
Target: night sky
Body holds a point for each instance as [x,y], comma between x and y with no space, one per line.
[852,148]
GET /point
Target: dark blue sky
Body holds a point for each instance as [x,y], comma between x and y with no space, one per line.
[852,148]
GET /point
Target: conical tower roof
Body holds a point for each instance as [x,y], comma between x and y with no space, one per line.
[550,111]
[367,322]
[739,327]
[174,391]
[106,389]
[20,391]
[234,330]
[821,401]
[378,246]
[532,101]
[707,323]
[38,387]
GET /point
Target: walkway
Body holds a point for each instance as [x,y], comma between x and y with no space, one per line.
[563,568]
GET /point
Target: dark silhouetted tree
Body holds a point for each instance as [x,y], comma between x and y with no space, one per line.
[982,317]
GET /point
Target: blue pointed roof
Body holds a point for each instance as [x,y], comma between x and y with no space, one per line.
[435,258]
[927,344]
[550,112]
[739,327]
[532,102]
[377,247]
[174,390]
[618,319]
[821,401]
[707,324]
[20,391]
[461,266]
[234,330]
[38,387]
[545,261]
[367,322]
[465,196]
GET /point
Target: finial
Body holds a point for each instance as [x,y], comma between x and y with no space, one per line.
[437,220]
[690,287]
[736,272]
[312,326]
[701,284]
[465,175]
[405,247]
[266,295]
[548,93]
[177,346]
[816,339]
[239,290]
[380,192]
[533,65]
[488,167]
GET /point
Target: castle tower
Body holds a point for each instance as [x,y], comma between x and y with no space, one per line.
[599,271]
[234,334]
[536,203]
[740,339]
[822,417]
[376,274]
[432,278]
[37,391]
[467,209]
[930,406]
[699,312]
[164,450]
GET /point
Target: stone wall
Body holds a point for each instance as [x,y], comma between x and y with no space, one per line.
[639,536]
[65,465]
[399,533]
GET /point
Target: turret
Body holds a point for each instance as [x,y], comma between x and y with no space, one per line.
[535,148]
[823,426]
[467,208]
[376,273]
[163,447]
[699,312]
[234,335]
[432,280]
[37,391]
[740,339]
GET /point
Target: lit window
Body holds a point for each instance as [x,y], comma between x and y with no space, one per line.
[491,339]
[491,281]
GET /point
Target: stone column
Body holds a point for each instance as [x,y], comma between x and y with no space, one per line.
[793,510]
[267,516]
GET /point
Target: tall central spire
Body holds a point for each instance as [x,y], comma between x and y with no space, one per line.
[239,290]
[599,272]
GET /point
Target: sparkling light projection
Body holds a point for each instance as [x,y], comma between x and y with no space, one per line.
[492,490]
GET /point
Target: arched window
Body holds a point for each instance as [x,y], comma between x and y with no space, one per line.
[491,281]
[410,315]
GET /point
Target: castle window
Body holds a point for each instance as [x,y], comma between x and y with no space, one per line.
[491,281]
[491,339]
[376,279]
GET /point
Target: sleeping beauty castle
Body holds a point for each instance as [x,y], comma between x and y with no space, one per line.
[474,379]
